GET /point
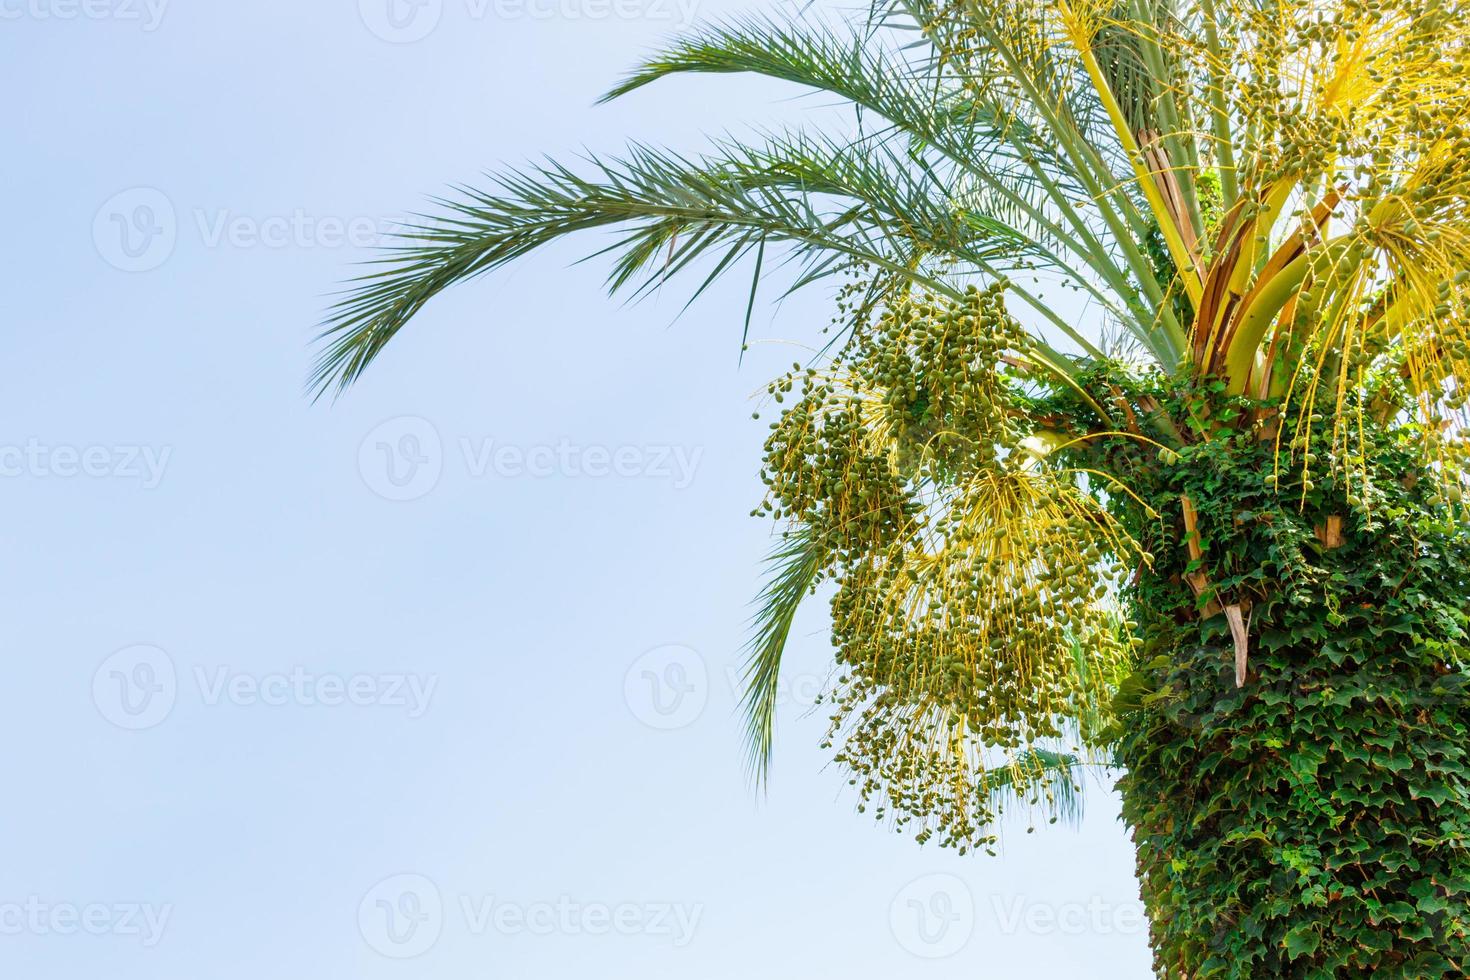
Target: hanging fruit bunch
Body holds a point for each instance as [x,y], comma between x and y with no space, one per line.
[972,608]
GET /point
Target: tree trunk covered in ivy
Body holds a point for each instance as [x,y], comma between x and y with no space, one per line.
[1313,821]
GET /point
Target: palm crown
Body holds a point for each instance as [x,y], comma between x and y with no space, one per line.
[1265,200]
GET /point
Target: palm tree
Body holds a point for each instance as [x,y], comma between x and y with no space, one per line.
[1137,438]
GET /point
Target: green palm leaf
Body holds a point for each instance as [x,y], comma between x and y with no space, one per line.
[825,199]
[794,566]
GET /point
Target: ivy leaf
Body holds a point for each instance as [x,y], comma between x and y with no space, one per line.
[1302,940]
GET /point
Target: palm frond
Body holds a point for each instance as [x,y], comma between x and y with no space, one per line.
[848,63]
[794,566]
[673,211]
[820,196]
[1039,777]
[995,151]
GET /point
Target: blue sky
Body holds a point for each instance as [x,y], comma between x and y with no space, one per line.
[436,681]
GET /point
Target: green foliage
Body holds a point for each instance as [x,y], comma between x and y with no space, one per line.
[795,568]
[833,201]
[1314,822]
[968,615]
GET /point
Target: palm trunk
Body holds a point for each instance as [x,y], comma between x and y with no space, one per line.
[1313,821]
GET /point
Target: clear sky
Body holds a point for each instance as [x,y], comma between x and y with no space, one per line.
[434,681]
